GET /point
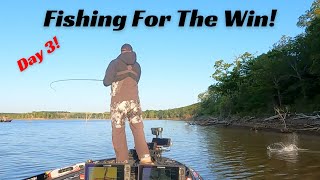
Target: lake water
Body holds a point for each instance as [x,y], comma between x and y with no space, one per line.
[32,147]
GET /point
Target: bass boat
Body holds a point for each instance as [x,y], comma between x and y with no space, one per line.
[107,169]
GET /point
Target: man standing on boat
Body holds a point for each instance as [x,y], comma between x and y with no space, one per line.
[123,74]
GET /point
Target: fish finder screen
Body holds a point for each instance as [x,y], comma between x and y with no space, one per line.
[159,173]
[101,172]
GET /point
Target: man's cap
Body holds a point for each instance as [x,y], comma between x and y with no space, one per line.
[126,47]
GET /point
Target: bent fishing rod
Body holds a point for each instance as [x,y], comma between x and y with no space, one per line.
[72,80]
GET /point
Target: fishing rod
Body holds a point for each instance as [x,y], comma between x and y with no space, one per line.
[72,80]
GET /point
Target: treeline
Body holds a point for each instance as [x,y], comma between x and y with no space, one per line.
[176,113]
[56,115]
[286,77]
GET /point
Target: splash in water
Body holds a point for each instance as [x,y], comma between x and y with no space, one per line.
[281,147]
[291,145]
[281,151]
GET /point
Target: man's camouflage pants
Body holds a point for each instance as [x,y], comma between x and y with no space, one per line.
[130,110]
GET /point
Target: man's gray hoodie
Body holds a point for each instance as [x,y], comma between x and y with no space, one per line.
[123,74]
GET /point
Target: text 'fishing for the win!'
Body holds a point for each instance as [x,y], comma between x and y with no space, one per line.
[191,18]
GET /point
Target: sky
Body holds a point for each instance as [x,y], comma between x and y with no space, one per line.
[176,62]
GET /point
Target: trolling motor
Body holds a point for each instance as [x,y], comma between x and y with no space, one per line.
[158,144]
[156,147]
[162,143]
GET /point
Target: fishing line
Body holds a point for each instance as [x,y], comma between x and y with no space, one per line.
[72,80]
[62,80]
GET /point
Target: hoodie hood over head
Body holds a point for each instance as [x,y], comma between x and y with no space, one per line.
[129,58]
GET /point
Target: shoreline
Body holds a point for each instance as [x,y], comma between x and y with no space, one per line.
[301,124]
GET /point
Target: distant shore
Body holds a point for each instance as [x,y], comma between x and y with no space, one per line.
[71,119]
